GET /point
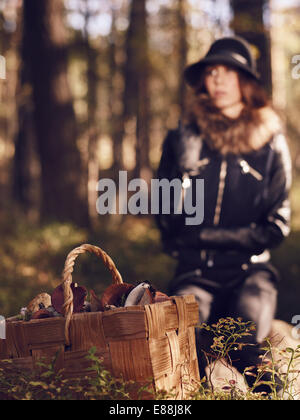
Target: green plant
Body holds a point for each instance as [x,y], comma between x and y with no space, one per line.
[283,368]
[228,336]
[279,368]
[101,384]
[46,383]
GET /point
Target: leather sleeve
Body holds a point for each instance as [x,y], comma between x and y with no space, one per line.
[275,225]
[168,224]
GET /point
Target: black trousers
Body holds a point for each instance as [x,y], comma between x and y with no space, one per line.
[250,294]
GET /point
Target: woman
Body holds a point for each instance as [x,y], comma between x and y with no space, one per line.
[232,138]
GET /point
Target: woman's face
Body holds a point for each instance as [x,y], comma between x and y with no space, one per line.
[222,85]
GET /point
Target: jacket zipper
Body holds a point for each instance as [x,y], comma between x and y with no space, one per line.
[247,169]
[221,188]
[223,173]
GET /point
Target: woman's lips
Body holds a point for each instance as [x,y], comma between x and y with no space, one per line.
[220,93]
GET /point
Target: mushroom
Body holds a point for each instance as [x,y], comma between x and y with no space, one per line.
[114,295]
[42,313]
[79,294]
[41,301]
[161,297]
[140,295]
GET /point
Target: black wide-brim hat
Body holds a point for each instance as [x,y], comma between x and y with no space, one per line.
[232,51]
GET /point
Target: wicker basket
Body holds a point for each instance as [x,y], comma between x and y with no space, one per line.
[136,343]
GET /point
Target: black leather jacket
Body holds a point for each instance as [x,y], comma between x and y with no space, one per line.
[246,204]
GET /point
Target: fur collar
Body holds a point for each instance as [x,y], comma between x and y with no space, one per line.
[252,130]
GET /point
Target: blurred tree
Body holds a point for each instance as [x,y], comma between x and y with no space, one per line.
[285,29]
[26,172]
[137,98]
[116,101]
[9,43]
[182,49]
[63,190]
[248,22]
[92,81]
[26,188]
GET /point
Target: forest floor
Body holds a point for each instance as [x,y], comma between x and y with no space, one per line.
[32,258]
[32,261]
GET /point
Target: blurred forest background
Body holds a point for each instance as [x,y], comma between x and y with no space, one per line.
[91,88]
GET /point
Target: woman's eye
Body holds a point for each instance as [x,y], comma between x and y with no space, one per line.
[211,72]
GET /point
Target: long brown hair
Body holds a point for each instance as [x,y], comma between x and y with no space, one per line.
[253,93]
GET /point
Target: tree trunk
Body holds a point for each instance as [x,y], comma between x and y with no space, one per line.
[136,84]
[116,103]
[92,80]
[182,51]
[26,170]
[248,22]
[93,164]
[63,180]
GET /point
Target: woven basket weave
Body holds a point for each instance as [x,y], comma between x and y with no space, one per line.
[136,343]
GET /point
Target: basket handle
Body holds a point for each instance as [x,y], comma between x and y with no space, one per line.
[67,278]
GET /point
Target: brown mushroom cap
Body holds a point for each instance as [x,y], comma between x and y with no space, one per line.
[161,297]
[113,294]
[42,313]
[42,299]
[79,294]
